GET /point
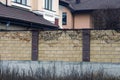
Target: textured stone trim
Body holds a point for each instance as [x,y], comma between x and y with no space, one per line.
[55,35]
[86,45]
[35,41]
[108,36]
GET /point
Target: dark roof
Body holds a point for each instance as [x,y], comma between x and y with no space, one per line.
[23,15]
[90,4]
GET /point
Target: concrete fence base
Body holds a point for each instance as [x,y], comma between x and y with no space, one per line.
[62,68]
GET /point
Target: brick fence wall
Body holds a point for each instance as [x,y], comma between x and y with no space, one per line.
[105,46]
[15,45]
[61,45]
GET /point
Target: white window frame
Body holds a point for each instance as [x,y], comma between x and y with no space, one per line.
[23,2]
[48,4]
[26,6]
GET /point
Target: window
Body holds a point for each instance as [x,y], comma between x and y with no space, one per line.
[24,2]
[64,18]
[48,4]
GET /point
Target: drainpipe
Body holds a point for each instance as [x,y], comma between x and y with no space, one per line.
[7,25]
[73,21]
[6,2]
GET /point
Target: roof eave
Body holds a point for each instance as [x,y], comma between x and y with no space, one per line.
[27,23]
[65,4]
[83,11]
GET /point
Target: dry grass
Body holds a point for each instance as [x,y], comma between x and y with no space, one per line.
[42,74]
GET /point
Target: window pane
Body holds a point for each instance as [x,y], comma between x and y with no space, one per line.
[13,0]
[24,2]
[64,18]
[18,1]
[48,4]
[45,4]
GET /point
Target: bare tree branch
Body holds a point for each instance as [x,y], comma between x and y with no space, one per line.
[106,18]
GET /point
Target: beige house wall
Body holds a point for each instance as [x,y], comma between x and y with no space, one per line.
[40,5]
[56,6]
[34,4]
[82,21]
[69,24]
[76,21]
[4,2]
[60,17]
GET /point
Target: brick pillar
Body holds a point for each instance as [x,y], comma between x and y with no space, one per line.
[35,42]
[86,45]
